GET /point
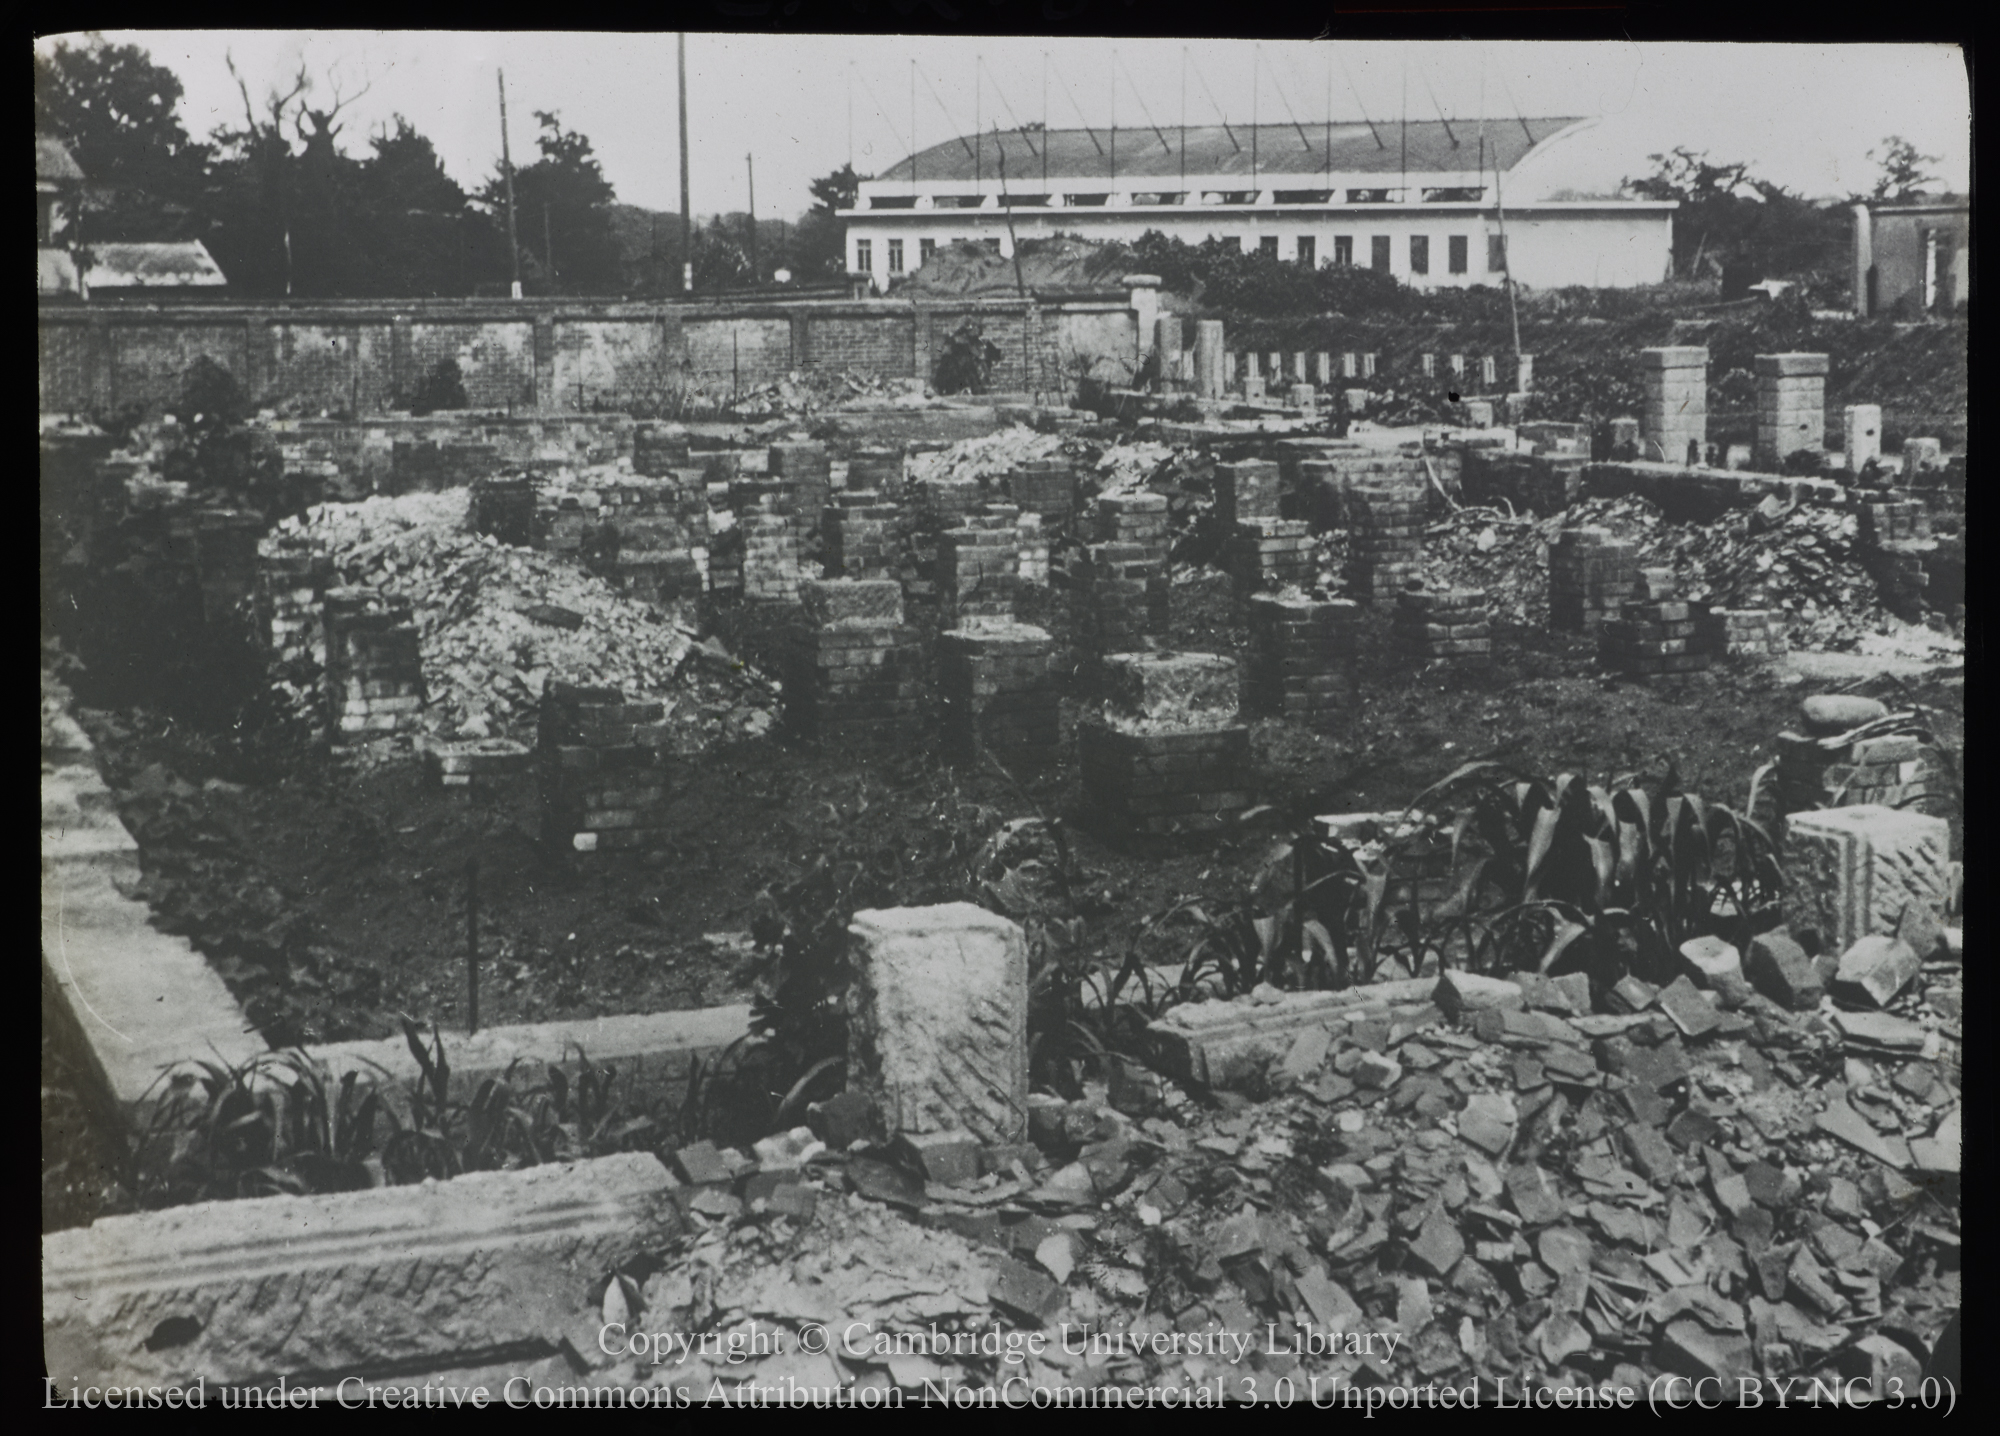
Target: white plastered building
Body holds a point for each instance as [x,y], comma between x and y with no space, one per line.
[1435,206]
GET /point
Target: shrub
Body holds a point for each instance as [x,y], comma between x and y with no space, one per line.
[442,388]
[966,364]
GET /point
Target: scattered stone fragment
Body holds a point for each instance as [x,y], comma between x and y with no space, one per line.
[1633,994]
[844,1119]
[1826,714]
[1876,968]
[1377,1070]
[1307,1055]
[1881,1031]
[1438,1246]
[1851,1127]
[787,1151]
[1564,1249]
[1682,1001]
[702,1164]
[1887,1364]
[1535,1195]
[1693,1350]
[948,1158]
[1766,1183]
[1779,968]
[1024,1292]
[1940,1152]
[1488,1122]
[1713,962]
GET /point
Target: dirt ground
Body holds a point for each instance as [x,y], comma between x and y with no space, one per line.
[333,897]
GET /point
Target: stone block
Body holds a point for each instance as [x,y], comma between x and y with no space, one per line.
[938,1020]
[1854,872]
[1875,968]
[950,1159]
[1776,366]
[1712,962]
[439,1274]
[1779,968]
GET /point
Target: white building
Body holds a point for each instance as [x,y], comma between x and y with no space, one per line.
[1425,203]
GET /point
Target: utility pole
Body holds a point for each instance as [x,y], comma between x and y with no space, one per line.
[548,248]
[507,166]
[687,211]
[750,166]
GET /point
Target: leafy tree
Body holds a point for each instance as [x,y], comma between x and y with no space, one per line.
[721,260]
[563,213]
[1745,227]
[115,111]
[423,234]
[1903,173]
[818,248]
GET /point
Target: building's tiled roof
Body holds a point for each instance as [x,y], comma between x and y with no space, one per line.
[154,266]
[1344,147]
[52,160]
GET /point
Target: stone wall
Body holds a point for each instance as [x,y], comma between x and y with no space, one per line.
[545,355]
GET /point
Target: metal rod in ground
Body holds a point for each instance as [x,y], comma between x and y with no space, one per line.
[472,944]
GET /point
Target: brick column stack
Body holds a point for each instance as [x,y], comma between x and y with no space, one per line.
[292,579]
[1745,632]
[1133,518]
[999,692]
[374,665]
[1263,551]
[806,471]
[944,503]
[851,676]
[224,542]
[1032,540]
[1118,597]
[1591,575]
[1444,626]
[1046,487]
[503,505]
[603,786]
[855,534]
[877,469]
[978,570]
[1168,755]
[1791,406]
[1302,657]
[1896,545]
[1675,412]
[1387,518]
[770,538]
[659,449]
[1654,637]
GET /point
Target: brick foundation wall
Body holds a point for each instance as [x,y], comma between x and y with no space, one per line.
[374,665]
[998,692]
[603,784]
[1302,658]
[1591,575]
[1443,626]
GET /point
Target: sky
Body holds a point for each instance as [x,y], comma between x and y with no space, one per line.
[1804,116]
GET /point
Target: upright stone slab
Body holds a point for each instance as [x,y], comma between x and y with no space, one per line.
[1852,872]
[1167,344]
[1791,406]
[1861,435]
[938,1020]
[1675,411]
[1210,359]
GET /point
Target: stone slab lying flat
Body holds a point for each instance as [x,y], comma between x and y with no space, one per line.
[419,1277]
[1223,1043]
[143,999]
[652,1051]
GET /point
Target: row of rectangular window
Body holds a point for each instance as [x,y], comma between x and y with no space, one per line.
[1457,252]
[1460,194]
[864,253]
